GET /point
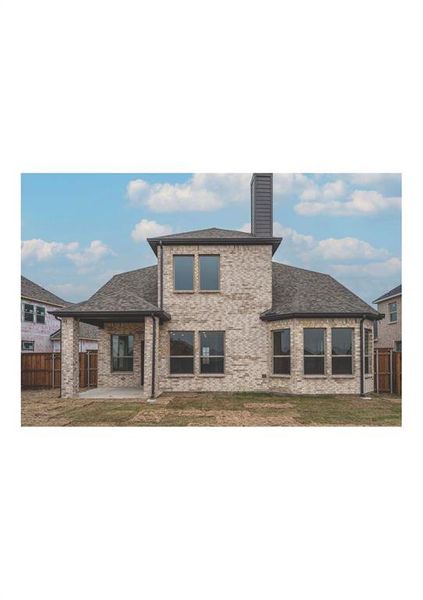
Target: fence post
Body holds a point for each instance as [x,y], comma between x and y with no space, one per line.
[377,371]
[88,367]
[52,371]
[391,378]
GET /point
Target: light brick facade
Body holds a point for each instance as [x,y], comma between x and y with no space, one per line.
[70,357]
[108,378]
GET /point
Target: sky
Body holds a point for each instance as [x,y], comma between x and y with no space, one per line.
[78,230]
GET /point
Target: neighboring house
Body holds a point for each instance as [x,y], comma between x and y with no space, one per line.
[37,322]
[88,336]
[39,328]
[216,314]
[388,330]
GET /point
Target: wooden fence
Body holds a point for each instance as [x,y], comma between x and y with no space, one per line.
[43,369]
[387,371]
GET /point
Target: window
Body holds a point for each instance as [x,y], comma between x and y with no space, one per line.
[314,351]
[393,314]
[342,351]
[282,352]
[212,352]
[41,314]
[27,346]
[182,352]
[375,329]
[209,273]
[183,273]
[122,352]
[398,346]
[367,351]
[28,312]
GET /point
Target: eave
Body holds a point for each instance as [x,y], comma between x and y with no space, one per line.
[98,318]
[253,241]
[320,315]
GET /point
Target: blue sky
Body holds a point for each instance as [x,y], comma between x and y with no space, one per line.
[80,229]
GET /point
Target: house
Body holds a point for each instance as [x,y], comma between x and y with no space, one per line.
[39,327]
[388,330]
[37,322]
[215,313]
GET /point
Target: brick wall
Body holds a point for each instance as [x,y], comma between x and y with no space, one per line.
[108,378]
[389,333]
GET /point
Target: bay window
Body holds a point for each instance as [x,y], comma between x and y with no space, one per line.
[282,352]
[314,351]
[342,351]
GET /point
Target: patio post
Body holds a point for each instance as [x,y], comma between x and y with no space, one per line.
[151,363]
[70,357]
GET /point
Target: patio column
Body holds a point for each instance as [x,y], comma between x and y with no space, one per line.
[151,367]
[70,357]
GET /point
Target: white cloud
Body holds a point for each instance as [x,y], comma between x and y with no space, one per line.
[89,255]
[381,269]
[348,248]
[41,250]
[359,202]
[373,178]
[145,229]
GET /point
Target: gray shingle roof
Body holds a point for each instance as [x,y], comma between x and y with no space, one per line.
[396,291]
[213,235]
[131,291]
[86,332]
[33,291]
[298,291]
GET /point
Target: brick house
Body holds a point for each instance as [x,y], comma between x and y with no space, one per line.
[217,314]
[39,327]
[387,331]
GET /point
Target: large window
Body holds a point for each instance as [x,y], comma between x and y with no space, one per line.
[122,352]
[393,313]
[282,352]
[183,272]
[367,351]
[28,312]
[314,351]
[41,314]
[209,273]
[342,351]
[212,351]
[182,352]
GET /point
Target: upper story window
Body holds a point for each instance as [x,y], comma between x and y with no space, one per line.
[282,352]
[182,352]
[314,351]
[209,273]
[342,351]
[183,272]
[28,312]
[212,352]
[393,313]
[376,329]
[122,352]
[41,314]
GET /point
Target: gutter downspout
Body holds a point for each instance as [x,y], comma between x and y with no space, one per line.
[153,361]
[362,356]
[161,276]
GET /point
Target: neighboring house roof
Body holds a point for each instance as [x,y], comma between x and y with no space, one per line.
[300,293]
[213,235]
[86,332]
[130,292]
[396,291]
[33,291]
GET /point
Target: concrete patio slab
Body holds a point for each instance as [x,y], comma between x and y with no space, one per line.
[116,393]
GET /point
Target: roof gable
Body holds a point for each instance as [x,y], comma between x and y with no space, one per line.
[396,291]
[33,291]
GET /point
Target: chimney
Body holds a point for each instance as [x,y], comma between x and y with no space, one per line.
[262,204]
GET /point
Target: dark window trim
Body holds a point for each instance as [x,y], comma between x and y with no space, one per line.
[342,355]
[42,315]
[112,370]
[174,274]
[218,274]
[281,355]
[24,312]
[213,355]
[182,355]
[393,312]
[323,374]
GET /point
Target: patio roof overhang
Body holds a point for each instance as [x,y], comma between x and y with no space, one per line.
[270,316]
[98,318]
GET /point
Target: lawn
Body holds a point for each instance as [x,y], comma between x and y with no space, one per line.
[45,408]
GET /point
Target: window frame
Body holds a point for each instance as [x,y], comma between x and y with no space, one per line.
[393,312]
[368,362]
[208,291]
[192,256]
[323,355]
[24,312]
[350,356]
[43,309]
[220,373]
[131,356]
[182,355]
[288,356]
[27,342]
